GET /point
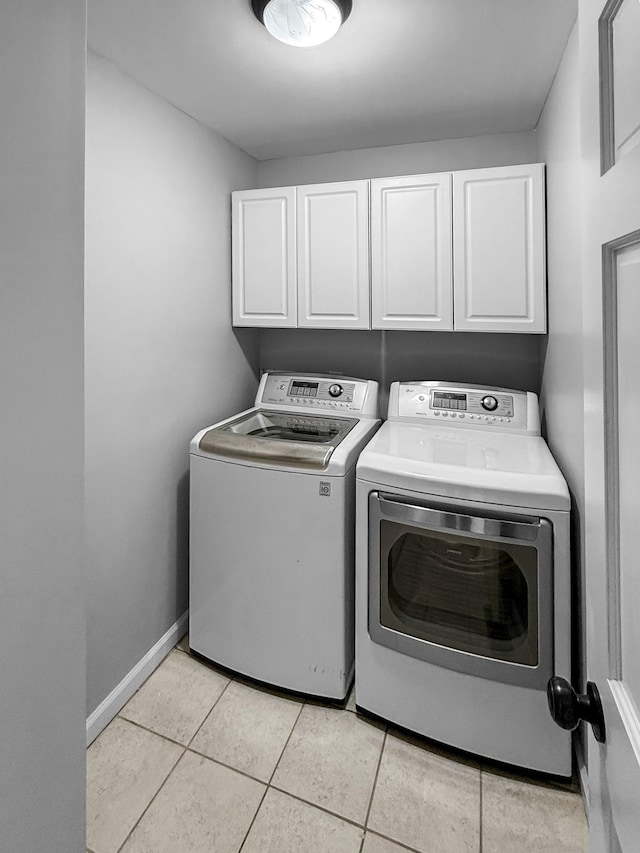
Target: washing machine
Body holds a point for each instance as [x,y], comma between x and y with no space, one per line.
[272,519]
[462,573]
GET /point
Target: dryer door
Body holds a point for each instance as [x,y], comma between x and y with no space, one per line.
[465,592]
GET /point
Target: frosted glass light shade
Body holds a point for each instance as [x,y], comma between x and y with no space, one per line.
[302,23]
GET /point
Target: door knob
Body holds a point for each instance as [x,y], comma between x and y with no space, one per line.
[568,707]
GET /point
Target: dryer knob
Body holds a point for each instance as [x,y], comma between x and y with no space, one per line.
[335,390]
[489,403]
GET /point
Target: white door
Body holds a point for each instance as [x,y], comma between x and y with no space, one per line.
[264,258]
[611,275]
[411,265]
[333,255]
[499,249]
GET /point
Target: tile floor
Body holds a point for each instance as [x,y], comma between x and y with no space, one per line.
[197,761]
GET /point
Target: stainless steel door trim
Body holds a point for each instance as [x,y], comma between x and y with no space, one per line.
[526,529]
[477,665]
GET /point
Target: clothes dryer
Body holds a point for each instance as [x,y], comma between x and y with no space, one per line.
[462,573]
[272,532]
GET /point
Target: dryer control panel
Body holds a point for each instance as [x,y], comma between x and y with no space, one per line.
[474,406]
[319,393]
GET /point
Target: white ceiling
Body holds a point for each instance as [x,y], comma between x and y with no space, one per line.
[398,71]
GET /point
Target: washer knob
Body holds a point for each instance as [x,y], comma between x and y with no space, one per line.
[335,390]
[489,403]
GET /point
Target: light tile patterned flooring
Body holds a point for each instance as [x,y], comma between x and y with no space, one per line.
[197,762]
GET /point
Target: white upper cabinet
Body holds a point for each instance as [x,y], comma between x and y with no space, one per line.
[411,265]
[333,255]
[462,251]
[264,258]
[499,249]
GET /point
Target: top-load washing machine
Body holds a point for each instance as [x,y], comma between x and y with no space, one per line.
[272,532]
[462,573]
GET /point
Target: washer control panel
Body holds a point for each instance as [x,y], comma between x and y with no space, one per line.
[325,393]
[470,406]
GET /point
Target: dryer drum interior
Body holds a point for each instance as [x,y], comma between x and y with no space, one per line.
[457,592]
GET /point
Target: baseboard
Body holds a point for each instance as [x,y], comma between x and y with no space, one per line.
[120,695]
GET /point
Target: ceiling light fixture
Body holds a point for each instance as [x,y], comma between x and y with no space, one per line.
[302,23]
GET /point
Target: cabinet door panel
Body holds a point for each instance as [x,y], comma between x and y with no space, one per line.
[264,253]
[499,255]
[411,272]
[333,255]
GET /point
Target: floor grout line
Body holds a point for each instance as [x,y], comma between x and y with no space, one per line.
[286,744]
[151,731]
[319,807]
[184,748]
[395,841]
[228,766]
[375,778]
[266,790]
[148,806]
[208,714]
[253,819]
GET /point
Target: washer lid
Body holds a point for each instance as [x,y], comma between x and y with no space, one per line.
[279,438]
[465,464]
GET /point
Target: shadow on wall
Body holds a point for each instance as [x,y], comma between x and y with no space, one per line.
[248,341]
[477,358]
[506,361]
[182,544]
[350,353]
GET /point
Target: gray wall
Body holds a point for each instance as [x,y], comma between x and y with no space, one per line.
[507,361]
[161,358]
[42,661]
[474,152]
[511,361]
[562,377]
